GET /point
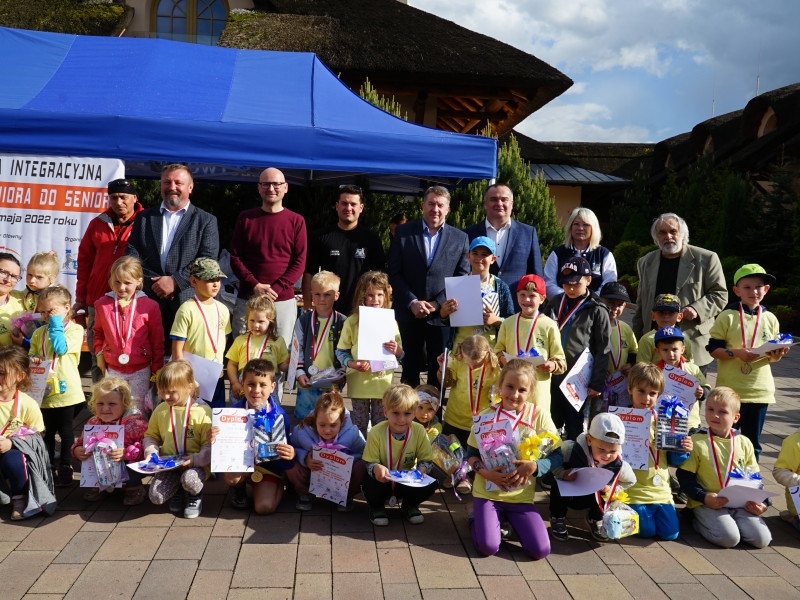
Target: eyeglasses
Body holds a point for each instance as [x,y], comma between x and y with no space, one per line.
[6,276]
[271,184]
[350,189]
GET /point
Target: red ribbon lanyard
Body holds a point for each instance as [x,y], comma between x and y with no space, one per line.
[214,339]
[44,349]
[566,319]
[316,342]
[657,453]
[123,340]
[517,419]
[755,331]
[247,348]
[530,333]
[179,450]
[14,413]
[615,363]
[475,398]
[722,483]
[397,464]
[604,505]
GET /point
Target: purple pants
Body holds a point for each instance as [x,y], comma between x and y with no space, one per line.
[528,524]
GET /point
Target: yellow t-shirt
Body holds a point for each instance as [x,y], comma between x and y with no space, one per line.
[701,461]
[647,348]
[359,384]
[458,411]
[66,367]
[534,420]
[160,429]
[789,458]
[11,309]
[645,491]
[623,343]
[755,383]
[190,325]
[546,339]
[417,447]
[432,431]
[275,351]
[28,414]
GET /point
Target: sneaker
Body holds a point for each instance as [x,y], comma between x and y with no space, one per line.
[305,502]
[134,495]
[194,505]
[344,508]
[176,502]
[558,528]
[93,494]
[596,529]
[378,517]
[680,498]
[63,476]
[17,508]
[239,499]
[413,514]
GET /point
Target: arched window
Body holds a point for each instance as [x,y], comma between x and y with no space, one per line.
[769,122]
[199,21]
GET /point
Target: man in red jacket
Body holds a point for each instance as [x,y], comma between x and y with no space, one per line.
[104,242]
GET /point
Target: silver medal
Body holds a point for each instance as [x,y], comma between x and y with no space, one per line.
[657,481]
[124,359]
[312,370]
[393,501]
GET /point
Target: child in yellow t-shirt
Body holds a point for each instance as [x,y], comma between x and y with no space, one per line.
[787,472]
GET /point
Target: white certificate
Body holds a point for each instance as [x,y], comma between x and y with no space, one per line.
[770,347]
[294,359]
[678,382]
[39,374]
[534,360]
[575,385]
[637,435]
[466,290]
[794,492]
[206,374]
[332,481]
[233,449]
[376,326]
[617,389]
[588,480]
[114,433]
[738,495]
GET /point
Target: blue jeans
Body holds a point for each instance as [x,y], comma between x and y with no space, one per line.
[657,520]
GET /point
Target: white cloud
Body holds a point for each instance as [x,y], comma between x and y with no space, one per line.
[587,122]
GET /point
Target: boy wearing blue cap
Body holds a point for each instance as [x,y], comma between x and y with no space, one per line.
[742,326]
[670,348]
[495,295]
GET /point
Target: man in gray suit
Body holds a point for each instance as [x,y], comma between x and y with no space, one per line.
[692,274]
[168,237]
[422,254]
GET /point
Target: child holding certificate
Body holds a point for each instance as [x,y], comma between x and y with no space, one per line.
[708,469]
[651,495]
[179,427]
[365,386]
[112,404]
[128,333]
[787,473]
[258,380]
[328,426]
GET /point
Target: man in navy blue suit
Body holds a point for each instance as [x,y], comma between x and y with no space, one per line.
[518,250]
[421,255]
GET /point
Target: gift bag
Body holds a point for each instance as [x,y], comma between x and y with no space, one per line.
[672,424]
[449,459]
[620,520]
[268,431]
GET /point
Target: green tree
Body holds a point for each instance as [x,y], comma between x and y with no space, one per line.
[532,201]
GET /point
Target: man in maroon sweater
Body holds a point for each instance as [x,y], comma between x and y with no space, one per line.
[268,251]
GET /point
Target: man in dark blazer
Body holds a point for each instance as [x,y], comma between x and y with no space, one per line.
[167,237]
[421,255]
[518,250]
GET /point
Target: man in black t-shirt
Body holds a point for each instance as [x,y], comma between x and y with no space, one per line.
[347,249]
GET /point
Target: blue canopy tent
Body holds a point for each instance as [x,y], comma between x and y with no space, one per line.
[227,112]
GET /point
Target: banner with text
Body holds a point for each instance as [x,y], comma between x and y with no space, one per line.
[46,203]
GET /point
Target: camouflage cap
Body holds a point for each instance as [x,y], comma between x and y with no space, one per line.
[206,268]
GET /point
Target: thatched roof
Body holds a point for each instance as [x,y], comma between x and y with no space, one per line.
[403,50]
[621,160]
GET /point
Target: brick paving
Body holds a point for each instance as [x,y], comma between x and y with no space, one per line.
[103,550]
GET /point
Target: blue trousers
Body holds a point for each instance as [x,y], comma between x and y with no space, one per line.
[657,520]
[13,469]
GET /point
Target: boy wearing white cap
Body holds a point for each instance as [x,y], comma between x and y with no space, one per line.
[600,447]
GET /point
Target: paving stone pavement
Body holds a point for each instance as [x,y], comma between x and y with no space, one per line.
[103,550]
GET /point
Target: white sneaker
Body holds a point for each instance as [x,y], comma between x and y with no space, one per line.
[194,505]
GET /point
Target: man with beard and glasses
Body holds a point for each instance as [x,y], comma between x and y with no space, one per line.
[168,237]
[692,274]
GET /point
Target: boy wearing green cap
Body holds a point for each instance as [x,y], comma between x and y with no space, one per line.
[202,323]
[741,327]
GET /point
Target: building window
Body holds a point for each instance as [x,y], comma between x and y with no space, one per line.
[200,21]
[769,122]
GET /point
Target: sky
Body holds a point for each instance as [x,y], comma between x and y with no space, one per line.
[643,70]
